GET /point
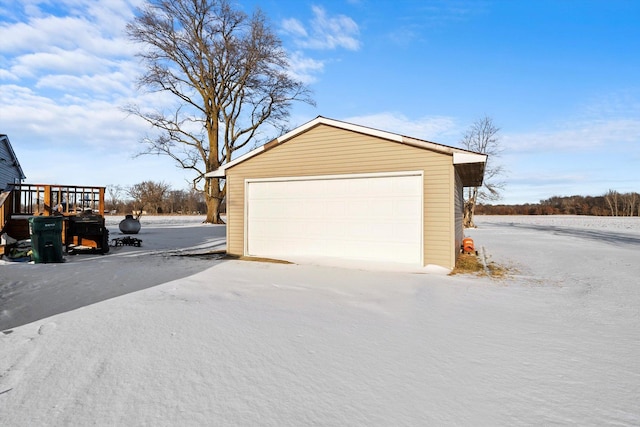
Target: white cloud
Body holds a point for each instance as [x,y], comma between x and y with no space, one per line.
[8,75]
[92,26]
[611,119]
[64,52]
[50,123]
[584,156]
[112,15]
[65,32]
[294,27]
[80,69]
[577,136]
[325,32]
[101,84]
[435,128]
[59,61]
[304,68]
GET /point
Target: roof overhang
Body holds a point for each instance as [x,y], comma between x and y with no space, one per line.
[468,164]
[221,171]
[470,168]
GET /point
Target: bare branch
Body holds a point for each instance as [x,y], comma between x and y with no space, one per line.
[482,137]
[228,73]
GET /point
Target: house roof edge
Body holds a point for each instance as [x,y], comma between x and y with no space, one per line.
[459,154]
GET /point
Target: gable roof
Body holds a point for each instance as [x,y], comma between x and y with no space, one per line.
[13,160]
[469,164]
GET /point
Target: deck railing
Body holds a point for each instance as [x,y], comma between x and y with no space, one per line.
[46,199]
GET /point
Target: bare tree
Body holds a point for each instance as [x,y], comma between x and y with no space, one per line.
[148,194]
[174,198]
[115,196]
[612,198]
[482,137]
[229,75]
[629,202]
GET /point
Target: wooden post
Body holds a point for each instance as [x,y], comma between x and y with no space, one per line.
[101,201]
[37,209]
[47,208]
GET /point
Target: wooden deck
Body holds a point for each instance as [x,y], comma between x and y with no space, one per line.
[23,201]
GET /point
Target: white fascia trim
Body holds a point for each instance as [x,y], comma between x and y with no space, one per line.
[221,171]
[341,125]
[462,158]
[218,173]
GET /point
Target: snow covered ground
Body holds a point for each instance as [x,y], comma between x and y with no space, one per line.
[246,343]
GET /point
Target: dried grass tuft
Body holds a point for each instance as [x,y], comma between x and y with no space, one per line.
[472,264]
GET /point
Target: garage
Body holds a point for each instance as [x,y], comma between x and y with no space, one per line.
[330,189]
[337,216]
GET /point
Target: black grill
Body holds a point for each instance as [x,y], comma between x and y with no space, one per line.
[87,231]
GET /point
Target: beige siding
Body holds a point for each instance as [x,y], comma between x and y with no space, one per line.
[459,215]
[325,150]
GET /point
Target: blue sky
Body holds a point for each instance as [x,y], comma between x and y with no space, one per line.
[560,78]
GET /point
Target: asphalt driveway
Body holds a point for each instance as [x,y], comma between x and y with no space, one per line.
[30,292]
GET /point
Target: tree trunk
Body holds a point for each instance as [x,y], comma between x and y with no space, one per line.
[213,198]
[470,208]
[213,210]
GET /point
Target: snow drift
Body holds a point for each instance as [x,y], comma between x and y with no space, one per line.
[244,343]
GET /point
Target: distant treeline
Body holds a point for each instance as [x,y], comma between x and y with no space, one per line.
[612,203]
[152,198]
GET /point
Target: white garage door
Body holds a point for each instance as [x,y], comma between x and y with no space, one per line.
[364,217]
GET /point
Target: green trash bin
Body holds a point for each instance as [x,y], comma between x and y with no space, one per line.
[46,239]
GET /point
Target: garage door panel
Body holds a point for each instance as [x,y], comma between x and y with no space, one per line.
[336,207]
[371,218]
[404,232]
[406,208]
